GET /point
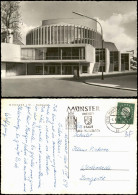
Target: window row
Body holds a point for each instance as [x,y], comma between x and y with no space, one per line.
[53,53]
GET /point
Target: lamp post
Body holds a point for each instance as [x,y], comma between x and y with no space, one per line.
[101,34]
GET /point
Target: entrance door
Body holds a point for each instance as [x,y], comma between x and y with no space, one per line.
[67,70]
[39,69]
[51,69]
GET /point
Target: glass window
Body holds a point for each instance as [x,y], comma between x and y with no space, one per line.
[27,54]
[66,53]
[100,57]
[39,69]
[124,61]
[52,53]
[75,53]
[84,69]
[51,69]
[39,54]
[58,69]
[114,63]
[46,70]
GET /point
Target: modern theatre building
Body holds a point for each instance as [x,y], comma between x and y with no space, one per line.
[61,46]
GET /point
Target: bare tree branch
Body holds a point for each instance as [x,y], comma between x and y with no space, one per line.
[10,16]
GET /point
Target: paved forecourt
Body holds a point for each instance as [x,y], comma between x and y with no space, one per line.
[56,87]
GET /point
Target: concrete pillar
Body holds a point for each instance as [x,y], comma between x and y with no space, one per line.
[26,69]
[38,36]
[61,68]
[119,61]
[57,33]
[50,35]
[53,41]
[74,34]
[129,61]
[41,38]
[47,35]
[43,69]
[80,69]
[43,35]
[90,67]
[107,60]
[35,36]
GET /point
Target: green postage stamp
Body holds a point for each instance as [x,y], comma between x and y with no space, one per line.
[125,113]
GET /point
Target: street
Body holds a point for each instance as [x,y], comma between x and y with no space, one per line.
[57,87]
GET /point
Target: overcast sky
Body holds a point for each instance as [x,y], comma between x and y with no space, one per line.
[118,18]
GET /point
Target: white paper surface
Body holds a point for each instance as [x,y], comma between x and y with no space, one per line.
[67,146]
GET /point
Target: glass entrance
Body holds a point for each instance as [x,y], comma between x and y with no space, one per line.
[52,70]
[39,69]
[67,70]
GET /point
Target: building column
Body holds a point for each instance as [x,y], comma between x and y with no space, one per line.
[43,69]
[107,60]
[41,38]
[53,28]
[47,35]
[91,67]
[38,36]
[26,69]
[61,69]
[119,61]
[43,35]
[57,33]
[80,69]
[35,36]
[129,61]
[50,35]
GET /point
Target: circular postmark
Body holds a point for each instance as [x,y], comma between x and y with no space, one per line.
[113,122]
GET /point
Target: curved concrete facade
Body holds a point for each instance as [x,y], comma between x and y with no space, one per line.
[65,31]
[81,22]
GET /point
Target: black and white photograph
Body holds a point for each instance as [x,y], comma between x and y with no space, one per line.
[69,48]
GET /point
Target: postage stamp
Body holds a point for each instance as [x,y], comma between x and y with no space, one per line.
[125,113]
[118,119]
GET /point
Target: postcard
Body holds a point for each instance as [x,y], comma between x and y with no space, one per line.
[62,146]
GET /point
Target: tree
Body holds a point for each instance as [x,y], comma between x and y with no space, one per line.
[10,17]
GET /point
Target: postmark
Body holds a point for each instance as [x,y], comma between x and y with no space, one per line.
[118,119]
[80,118]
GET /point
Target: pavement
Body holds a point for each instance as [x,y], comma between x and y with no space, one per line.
[124,82]
[65,87]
